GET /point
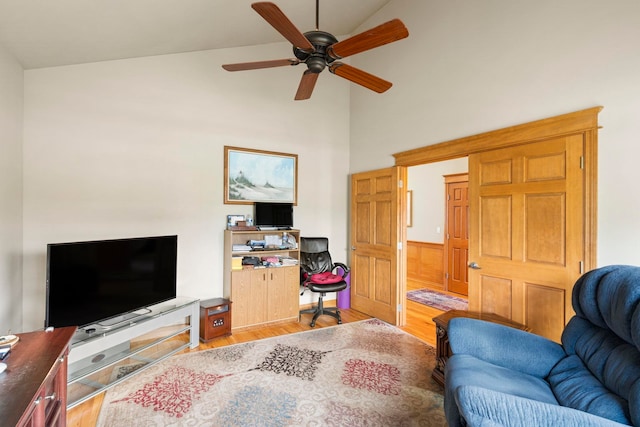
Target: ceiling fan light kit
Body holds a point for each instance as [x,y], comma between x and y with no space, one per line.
[319,49]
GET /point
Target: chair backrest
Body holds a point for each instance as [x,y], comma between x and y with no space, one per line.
[314,255]
[605,334]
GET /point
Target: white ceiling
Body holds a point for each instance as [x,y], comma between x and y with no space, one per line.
[50,33]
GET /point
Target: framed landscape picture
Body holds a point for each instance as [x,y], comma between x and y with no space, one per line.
[259,176]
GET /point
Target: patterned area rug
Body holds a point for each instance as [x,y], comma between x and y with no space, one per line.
[437,300]
[358,374]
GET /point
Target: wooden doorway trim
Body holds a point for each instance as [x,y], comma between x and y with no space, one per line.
[580,122]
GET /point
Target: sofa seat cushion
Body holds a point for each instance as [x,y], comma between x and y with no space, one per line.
[471,371]
[465,370]
[487,408]
[576,387]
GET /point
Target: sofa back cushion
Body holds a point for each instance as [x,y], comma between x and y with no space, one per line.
[575,386]
[602,373]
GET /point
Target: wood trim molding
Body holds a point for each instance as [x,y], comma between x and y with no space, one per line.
[583,122]
[591,198]
[456,177]
[566,124]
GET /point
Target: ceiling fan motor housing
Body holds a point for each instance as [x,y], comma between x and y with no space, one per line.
[316,61]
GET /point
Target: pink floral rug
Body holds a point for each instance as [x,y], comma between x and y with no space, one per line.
[358,374]
[437,300]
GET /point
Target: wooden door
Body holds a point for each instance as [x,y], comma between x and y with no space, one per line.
[283,293]
[378,220]
[527,231]
[259,295]
[240,295]
[457,233]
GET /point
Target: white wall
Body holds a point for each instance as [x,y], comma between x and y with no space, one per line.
[135,148]
[429,207]
[11,99]
[470,67]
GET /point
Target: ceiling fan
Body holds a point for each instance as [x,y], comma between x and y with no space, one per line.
[319,49]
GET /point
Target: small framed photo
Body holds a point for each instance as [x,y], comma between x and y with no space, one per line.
[232,220]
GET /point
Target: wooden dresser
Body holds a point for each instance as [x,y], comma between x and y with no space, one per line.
[34,385]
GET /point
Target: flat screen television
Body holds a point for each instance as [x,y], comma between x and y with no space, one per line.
[91,282]
[273,215]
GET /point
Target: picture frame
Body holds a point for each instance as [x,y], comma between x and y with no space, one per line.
[233,220]
[259,176]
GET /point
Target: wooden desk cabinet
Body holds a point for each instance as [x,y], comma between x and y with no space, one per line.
[443,351]
[261,295]
[34,386]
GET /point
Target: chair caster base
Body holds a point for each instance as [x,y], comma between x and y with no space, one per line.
[321,310]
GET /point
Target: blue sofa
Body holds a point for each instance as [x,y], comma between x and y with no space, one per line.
[501,376]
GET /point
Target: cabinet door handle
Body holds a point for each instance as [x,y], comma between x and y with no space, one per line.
[40,399]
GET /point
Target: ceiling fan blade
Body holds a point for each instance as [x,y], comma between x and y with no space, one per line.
[274,16]
[307,83]
[242,66]
[360,77]
[382,34]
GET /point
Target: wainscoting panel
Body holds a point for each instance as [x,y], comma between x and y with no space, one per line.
[425,263]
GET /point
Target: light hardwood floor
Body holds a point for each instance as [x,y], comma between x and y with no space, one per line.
[419,324]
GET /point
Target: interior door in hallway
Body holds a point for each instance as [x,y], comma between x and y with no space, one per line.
[457,233]
[527,231]
[378,222]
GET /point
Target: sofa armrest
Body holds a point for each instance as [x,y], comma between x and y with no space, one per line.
[504,346]
[488,408]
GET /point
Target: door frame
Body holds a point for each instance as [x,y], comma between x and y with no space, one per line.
[580,122]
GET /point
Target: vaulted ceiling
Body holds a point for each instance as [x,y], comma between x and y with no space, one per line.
[63,32]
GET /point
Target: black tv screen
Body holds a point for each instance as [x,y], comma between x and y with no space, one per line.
[92,281]
[273,214]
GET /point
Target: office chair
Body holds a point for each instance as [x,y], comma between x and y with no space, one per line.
[318,274]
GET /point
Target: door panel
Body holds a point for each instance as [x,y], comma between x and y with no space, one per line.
[497,295]
[384,292]
[377,229]
[259,296]
[549,302]
[527,216]
[240,295]
[360,270]
[550,246]
[495,228]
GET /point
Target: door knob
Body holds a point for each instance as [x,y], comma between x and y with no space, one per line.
[474,265]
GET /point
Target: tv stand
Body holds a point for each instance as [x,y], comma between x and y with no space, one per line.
[113,321]
[103,356]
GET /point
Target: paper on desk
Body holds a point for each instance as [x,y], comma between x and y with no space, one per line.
[273,239]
